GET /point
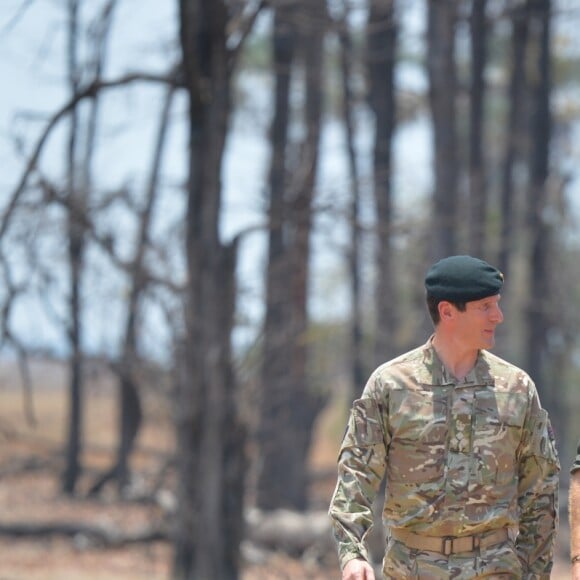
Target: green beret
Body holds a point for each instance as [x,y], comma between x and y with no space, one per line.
[462,279]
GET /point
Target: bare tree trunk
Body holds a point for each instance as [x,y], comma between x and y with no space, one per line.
[209,431]
[130,408]
[478,189]
[305,404]
[235,430]
[382,41]
[354,258]
[275,390]
[100,46]
[76,210]
[289,406]
[514,135]
[538,315]
[442,18]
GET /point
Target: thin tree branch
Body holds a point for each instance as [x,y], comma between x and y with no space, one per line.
[242,28]
[88,92]
[16,17]
[8,336]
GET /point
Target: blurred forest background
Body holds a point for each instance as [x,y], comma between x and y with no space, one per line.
[215,220]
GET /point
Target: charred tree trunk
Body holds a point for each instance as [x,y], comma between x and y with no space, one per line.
[305,403]
[354,252]
[538,314]
[234,429]
[478,189]
[130,408]
[209,432]
[274,376]
[442,18]
[130,412]
[76,246]
[289,406]
[382,41]
[514,135]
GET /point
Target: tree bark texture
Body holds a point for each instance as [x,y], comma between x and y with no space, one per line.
[289,407]
[76,246]
[354,252]
[538,315]
[275,383]
[130,408]
[442,19]
[477,186]
[381,54]
[515,135]
[209,433]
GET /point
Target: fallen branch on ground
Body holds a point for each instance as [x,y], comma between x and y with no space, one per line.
[82,534]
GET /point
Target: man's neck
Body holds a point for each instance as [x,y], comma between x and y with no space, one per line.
[457,359]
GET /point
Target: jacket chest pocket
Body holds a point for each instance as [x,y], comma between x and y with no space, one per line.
[418,430]
[498,420]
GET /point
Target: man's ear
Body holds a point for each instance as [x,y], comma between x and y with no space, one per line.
[446,310]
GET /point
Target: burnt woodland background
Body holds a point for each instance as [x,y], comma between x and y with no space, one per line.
[126,246]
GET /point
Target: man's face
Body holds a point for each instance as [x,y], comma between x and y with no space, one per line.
[476,326]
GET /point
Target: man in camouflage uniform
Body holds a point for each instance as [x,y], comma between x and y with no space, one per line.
[467,450]
[574,508]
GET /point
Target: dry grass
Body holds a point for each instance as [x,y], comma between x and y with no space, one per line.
[31,461]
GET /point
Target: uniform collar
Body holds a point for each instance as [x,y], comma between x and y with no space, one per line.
[434,373]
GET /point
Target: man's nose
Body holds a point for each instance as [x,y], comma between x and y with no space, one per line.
[496,315]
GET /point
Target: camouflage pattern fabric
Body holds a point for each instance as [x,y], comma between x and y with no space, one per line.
[576,464]
[460,458]
[500,561]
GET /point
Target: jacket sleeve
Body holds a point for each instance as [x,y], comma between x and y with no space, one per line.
[537,493]
[361,467]
[576,464]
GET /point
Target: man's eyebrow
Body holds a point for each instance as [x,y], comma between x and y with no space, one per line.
[492,298]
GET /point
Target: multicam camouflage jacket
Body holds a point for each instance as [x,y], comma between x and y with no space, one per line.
[459,458]
[576,464]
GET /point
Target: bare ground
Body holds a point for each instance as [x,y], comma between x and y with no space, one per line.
[30,464]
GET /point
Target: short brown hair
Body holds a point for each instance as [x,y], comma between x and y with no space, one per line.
[433,307]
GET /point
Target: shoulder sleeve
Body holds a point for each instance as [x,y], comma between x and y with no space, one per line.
[361,467]
[537,491]
[576,464]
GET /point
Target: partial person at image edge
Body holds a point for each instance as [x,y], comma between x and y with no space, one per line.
[574,509]
[467,451]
